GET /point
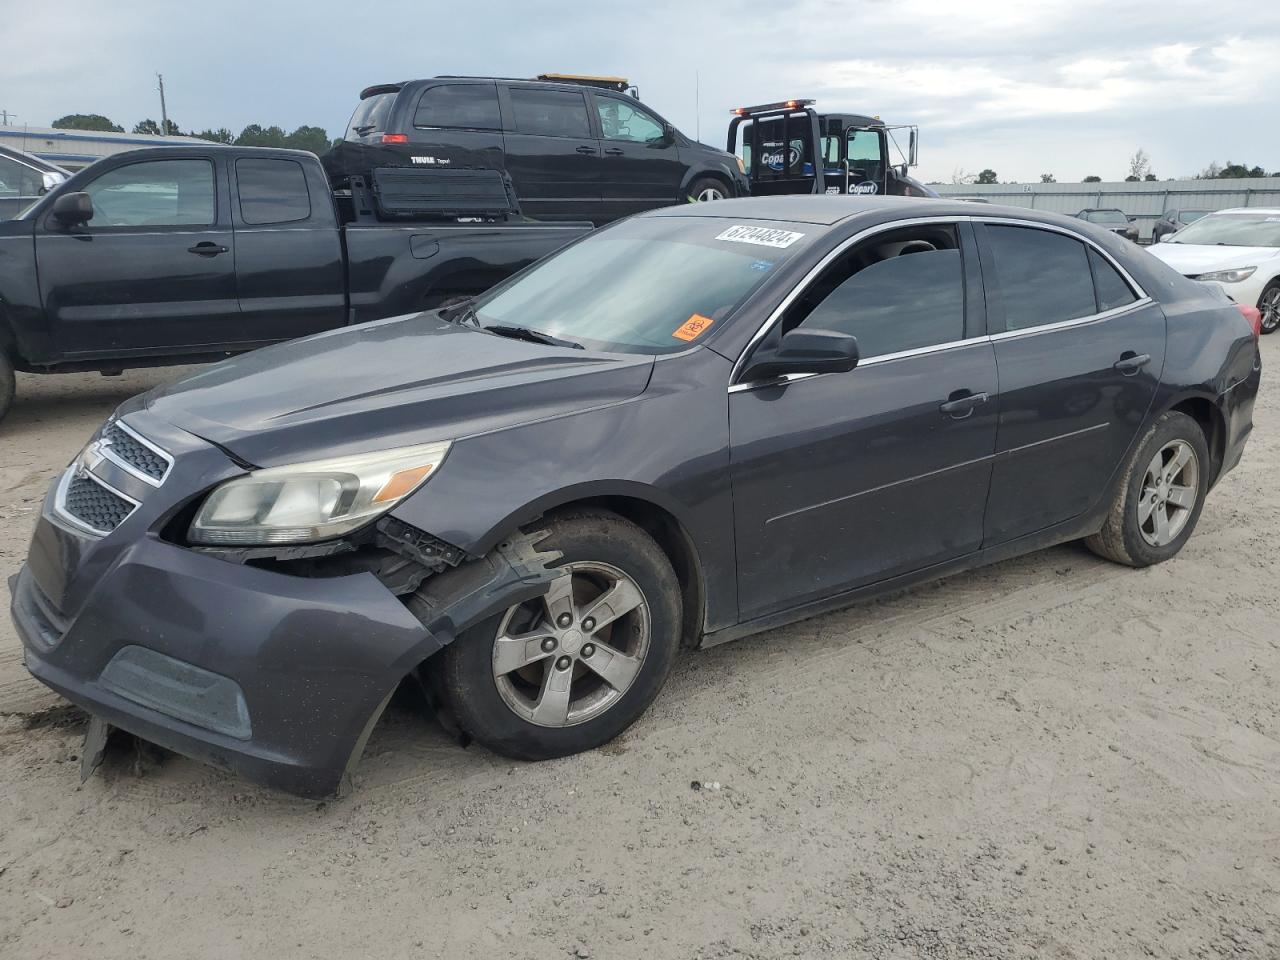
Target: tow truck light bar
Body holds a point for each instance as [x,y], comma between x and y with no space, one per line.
[766,107]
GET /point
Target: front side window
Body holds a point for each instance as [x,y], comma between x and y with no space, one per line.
[470,106]
[272,191]
[901,290]
[646,285]
[550,113]
[623,120]
[866,159]
[155,193]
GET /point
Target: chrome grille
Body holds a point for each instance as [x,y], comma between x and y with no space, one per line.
[93,505]
[135,454]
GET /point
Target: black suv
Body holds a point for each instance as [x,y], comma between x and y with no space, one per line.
[574,149]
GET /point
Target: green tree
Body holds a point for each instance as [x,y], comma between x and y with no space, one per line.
[314,139]
[1091,178]
[86,121]
[1150,176]
[147,126]
[1048,178]
[1131,179]
[987,176]
[255,135]
[221,135]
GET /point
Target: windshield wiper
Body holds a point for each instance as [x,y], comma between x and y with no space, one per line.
[533,336]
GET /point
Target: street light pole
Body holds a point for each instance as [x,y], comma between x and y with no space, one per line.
[164,114]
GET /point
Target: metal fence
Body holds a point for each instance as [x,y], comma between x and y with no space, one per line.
[1146,200]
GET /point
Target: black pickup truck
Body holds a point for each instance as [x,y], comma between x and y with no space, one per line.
[188,254]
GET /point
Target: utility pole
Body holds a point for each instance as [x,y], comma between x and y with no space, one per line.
[697,105]
[164,114]
[5,117]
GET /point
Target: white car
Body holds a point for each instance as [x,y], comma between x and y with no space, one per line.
[1237,250]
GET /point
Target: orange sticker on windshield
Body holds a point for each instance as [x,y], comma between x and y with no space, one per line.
[692,328]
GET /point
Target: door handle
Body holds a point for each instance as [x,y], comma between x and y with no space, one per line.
[613,152]
[957,408]
[1130,363]
[206,248]
[584,150]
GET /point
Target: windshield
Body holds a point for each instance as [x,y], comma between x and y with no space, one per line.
[1107,216]
[1232,230]
[647,285]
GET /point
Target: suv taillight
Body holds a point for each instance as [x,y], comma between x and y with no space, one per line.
[1254,316]
[395,138]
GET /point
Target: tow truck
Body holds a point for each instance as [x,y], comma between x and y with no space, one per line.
[789,147]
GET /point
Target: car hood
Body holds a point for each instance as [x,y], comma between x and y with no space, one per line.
[385,384]
[1192,258]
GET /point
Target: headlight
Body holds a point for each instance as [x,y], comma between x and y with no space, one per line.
[305,502]
[1229,276]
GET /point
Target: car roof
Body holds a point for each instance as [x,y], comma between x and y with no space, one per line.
[1269,211]
[823,210]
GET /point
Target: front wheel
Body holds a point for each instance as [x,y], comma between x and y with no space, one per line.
[1157,502]
[705,189]
[7,383]
[570,670]
[1269,307]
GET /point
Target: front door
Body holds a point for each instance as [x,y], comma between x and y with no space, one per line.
[865,153]
[1079,354]
[641,169]
[553,155]
[846,479]
[153,272]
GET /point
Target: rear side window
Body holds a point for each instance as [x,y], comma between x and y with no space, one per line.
[471,106]
[1113,290]
[1044,277]
[899,291]
[550,113]
[272,191]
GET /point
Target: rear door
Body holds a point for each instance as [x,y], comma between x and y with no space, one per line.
[641,168]
[290,278]
[1079,350]
[553,155]
[153,272]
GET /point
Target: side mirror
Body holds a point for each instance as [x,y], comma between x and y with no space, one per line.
[911,149]
[72,208]
[1133,219]
[804,351]
[668,134]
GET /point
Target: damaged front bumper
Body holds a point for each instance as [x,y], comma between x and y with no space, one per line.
[279,678]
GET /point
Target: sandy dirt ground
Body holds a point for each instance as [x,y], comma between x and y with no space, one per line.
[1053,757]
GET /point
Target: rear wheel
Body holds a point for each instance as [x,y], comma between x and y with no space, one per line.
[1158,500]
[7,383]
[705,189]
[1269,307]
[570,670]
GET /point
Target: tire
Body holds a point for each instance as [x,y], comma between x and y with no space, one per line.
[1269,307]
[7,384]
[706,189]
[1133,534]
[514,710]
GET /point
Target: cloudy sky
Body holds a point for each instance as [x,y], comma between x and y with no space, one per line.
[1069,87]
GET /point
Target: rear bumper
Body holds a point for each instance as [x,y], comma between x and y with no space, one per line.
[1236,405]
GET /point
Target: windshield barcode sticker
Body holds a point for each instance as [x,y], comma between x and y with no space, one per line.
[761,236]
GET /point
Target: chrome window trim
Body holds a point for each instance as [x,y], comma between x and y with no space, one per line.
[1143,299]
[60,498]
[105,448]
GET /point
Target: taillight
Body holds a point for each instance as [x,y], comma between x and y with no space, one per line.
[1254,316]
[395,138]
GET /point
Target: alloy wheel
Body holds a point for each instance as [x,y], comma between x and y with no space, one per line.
[1169,492]
[1269,306]
[707,194]
[570,655]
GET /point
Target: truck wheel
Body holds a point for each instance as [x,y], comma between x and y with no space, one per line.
[705,189]
[1158,500]
[7,384]
[1269,307]
[570,670]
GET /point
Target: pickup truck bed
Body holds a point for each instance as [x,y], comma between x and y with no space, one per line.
[194,253]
